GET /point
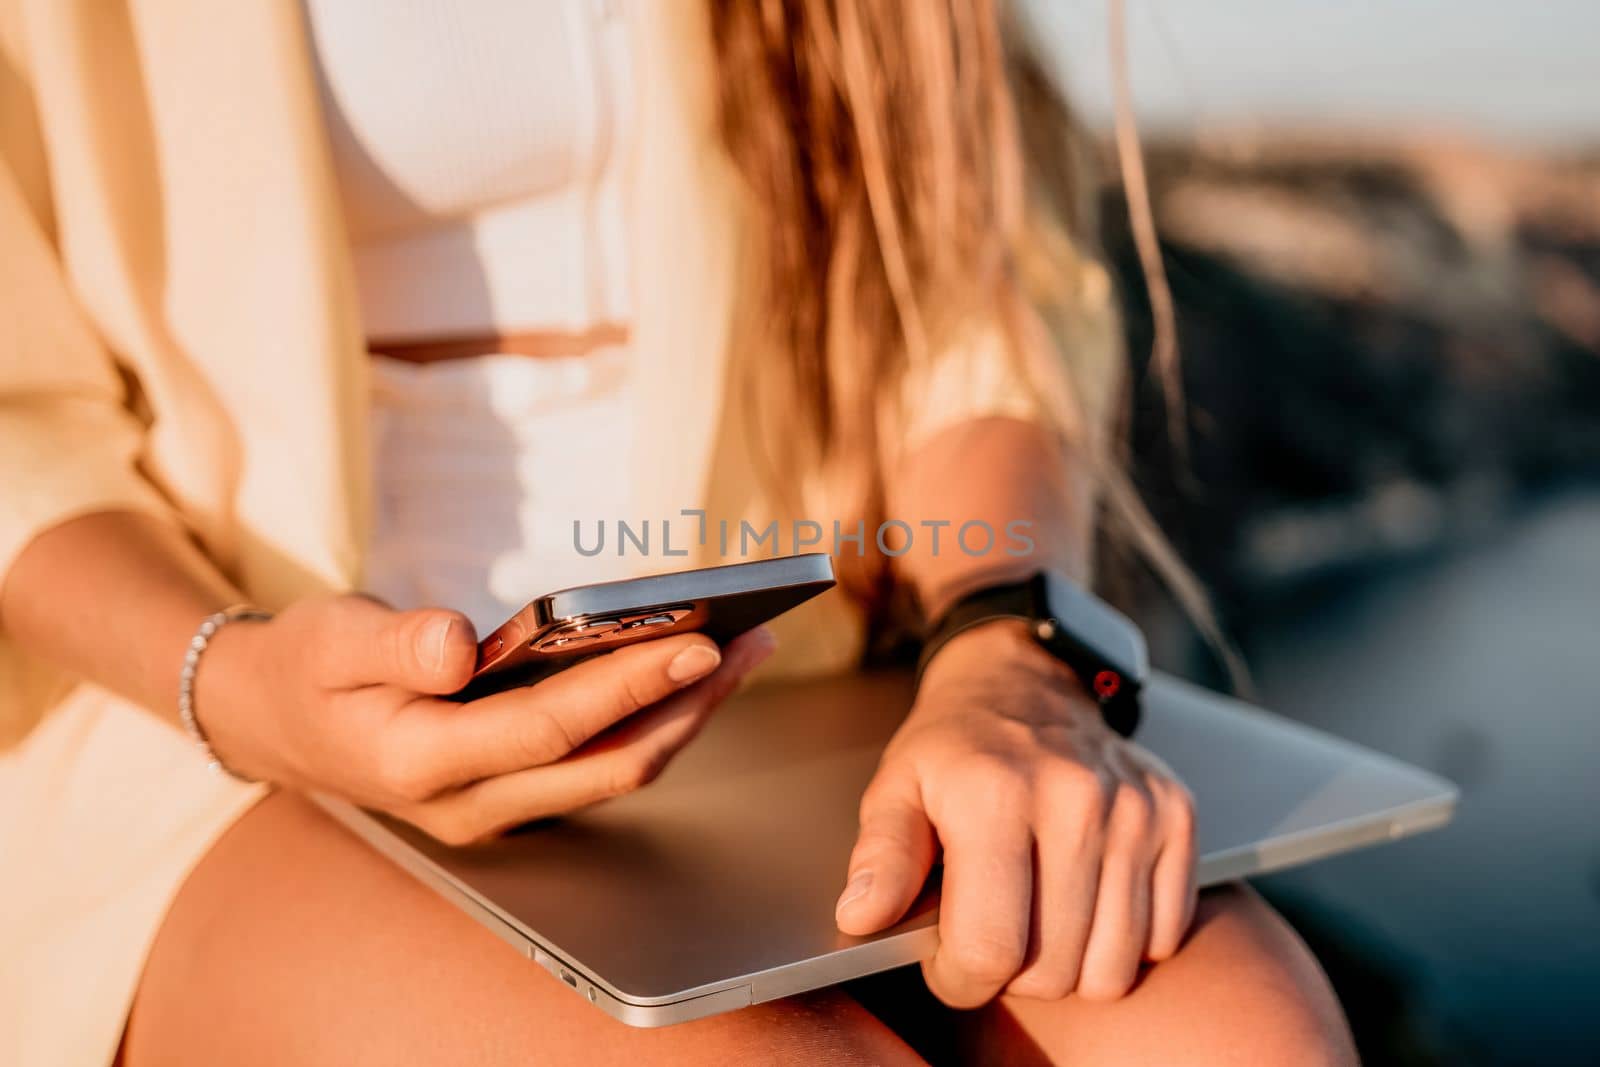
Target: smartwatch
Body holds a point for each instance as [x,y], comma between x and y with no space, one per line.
[1101,645]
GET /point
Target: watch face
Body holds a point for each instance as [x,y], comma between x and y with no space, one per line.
[1099,629]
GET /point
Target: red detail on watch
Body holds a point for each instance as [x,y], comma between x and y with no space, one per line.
[1107,684]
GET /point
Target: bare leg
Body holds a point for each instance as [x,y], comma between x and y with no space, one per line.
[1242,990]
[294,943]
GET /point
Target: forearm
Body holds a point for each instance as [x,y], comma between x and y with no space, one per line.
[113,597]
[1004,474]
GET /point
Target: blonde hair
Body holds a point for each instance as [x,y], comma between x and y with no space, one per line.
[914,169]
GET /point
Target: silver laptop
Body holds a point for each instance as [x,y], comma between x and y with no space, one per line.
[714,888]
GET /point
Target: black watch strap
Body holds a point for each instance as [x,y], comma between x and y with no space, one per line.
[1015,600]
[1101,646]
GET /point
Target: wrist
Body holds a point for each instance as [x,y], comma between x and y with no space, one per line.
[998,644]
[222,693]
[1009,646]
[1054,617]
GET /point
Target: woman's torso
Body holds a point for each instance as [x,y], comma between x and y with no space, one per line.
[479,150]
[469,218]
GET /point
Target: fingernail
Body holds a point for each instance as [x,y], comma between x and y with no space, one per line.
[854,890]
[693,663]
[441,642]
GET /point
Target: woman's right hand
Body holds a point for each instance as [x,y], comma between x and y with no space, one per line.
[343,695]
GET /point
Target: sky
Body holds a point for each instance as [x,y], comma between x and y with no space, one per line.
[1519,70]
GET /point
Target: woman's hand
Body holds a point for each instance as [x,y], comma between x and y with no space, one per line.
[342,695]
[1069,853]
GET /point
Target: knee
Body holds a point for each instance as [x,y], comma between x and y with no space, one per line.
[1279,1035]
[1278,1030]
[1243,988]
[1274,1004]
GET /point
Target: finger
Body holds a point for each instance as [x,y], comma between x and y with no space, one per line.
[534,725]
[620,762]
[1172,885]
[429,650]
[984,910]
[893,854]
[1121,927]
[741,656]
[488,808]
[1067,879]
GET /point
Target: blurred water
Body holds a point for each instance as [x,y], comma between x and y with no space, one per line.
[1484,666]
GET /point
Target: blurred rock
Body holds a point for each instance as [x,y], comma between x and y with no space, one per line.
[1386,344]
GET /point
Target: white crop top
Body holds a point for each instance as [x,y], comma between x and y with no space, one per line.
[479,146]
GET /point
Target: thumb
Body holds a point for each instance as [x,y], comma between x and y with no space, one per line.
[429,650]
[893,854]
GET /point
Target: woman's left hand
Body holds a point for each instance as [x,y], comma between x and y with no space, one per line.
[1069,855]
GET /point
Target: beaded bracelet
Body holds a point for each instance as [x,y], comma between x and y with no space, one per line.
[191,666]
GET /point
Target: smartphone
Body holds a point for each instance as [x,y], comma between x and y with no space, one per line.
[560,628]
